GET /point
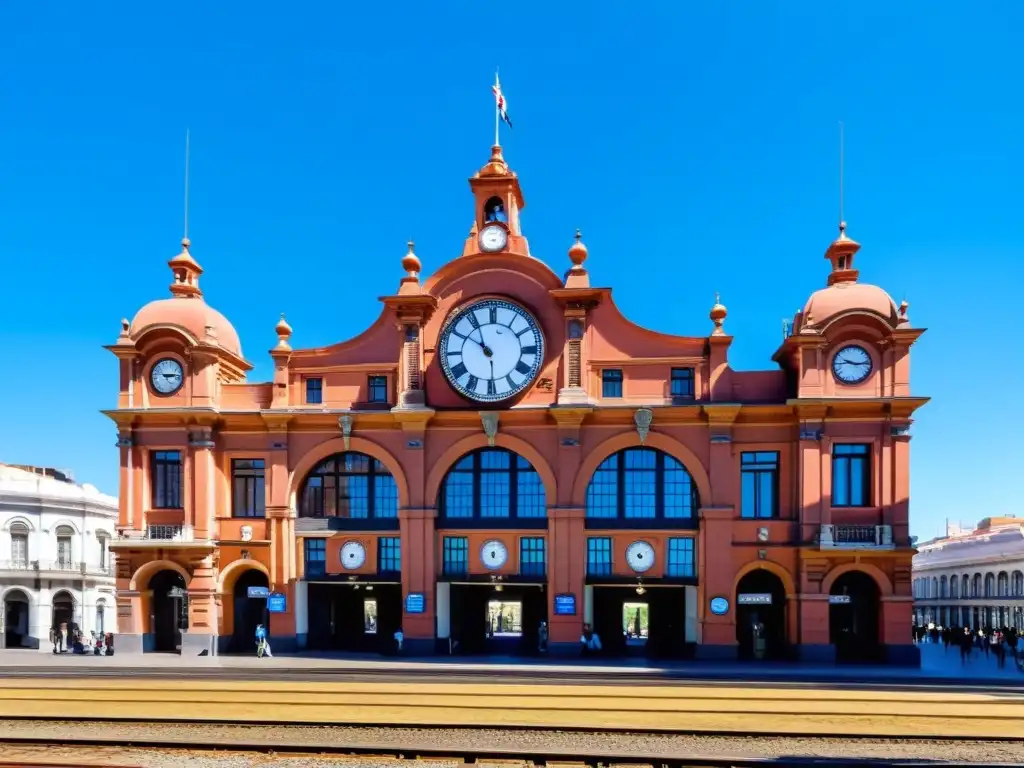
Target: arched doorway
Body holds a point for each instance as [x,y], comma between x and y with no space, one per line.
[16,618]
[853,618]
[248,611]
[63,611]
[168,610]
[761,612]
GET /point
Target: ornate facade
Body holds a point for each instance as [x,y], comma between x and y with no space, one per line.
[502,455]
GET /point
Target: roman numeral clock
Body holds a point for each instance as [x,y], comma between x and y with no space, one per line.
[491,350]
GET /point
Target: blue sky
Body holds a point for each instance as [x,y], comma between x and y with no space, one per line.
[695,144]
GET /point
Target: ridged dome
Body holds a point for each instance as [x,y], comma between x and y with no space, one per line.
[850,297]
[192,315]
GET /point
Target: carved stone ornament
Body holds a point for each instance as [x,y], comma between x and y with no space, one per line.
[490,421]
[345,423]
[246,533]
[643,418]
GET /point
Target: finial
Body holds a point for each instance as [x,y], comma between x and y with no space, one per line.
[284,332]
[411,262]
[718,314]
[785,328]
[186,185]
[904,306]
[126,327]
[578,252]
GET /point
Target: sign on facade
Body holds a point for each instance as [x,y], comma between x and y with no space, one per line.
[565,605]
[754,598]
[277,603]
[415,602]
[259,592]
[839,599]
[719,606]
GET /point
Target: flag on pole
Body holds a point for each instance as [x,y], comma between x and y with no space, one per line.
[499,101]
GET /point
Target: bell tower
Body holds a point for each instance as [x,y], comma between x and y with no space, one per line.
[498,202]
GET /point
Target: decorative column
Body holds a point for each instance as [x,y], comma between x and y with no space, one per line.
[281,530]
[204,482]
[809,500]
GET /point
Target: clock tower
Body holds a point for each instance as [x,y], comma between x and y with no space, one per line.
[498,202]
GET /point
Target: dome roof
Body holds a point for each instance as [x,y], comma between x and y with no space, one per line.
[191,314]
[850,297]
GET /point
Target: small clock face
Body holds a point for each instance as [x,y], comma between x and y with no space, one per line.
[640,556]
[493,554]
[353,555]
[493,238]
[852,364]
[166,376]
[491,350]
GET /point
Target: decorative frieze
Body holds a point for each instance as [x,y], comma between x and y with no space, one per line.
[642,419]
[345,425]
[489,419]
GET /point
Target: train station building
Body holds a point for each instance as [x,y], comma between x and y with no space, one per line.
[502,457]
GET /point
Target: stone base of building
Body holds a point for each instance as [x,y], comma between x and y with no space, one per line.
[816,654]
[716,652]
[903,655]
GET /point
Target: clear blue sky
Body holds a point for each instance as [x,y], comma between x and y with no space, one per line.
[694,143]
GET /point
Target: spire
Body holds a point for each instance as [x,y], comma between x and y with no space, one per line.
[186,271]
[577,276]
[718,314]
[412,266]
[840,255]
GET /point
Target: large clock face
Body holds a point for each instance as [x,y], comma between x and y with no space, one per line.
[640,556]
[852,364]
[493,554]
[353,555]
[166,376]
[491,350]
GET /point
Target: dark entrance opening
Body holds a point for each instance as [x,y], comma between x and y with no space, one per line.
[63,611]
[641,621]
[667,637]
[16,629]
[853,618]
[248,611]
[761,616]
[169,610]
[501,621]
[354,617]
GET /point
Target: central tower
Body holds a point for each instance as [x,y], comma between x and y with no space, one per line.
[498,201]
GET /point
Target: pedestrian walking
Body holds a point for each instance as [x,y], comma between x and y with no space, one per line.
[262,644]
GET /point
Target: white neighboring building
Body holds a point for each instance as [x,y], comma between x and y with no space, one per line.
[972,578]
[55,562]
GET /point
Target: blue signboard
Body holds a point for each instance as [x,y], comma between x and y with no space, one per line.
[565,605]
[258,592]
[415,602]
[277,603]
[719,606]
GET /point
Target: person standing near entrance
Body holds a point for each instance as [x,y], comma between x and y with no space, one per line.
[262,644]
[542,637]
[399,640]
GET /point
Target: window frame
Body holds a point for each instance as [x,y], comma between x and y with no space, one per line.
[757,467]
[377,384]
[614,378]
[455,545]
[528,566]
[257,494]
[687,375]
[599,568]
[865,456]
[671,549]
[389,552]
[321,548]
[166,478]
[659,520]
[21,534]
[311,385]
[376,471]
[477,472]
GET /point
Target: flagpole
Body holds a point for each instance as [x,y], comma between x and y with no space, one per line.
[497,108]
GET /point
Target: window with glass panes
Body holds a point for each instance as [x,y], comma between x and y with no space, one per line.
[851,475]
[165,479]
[248,488]
[599,556]
[681,562]
[611,382]
[492,484]
[455,555]
[531,556]
[681,385]
[389,555]
[314,391]
[641,484]
[350,486]
[378,386]
[759,484]
[315,557]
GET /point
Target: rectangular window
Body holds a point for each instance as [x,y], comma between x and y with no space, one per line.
[19,550]
[103,552]
[599,557]
[166,479]
[64,553]
[316,557]
[611,383]
[378,386]
[759,484]
[531,556]
[681,562]
[248,488]
[682,383]
[851,475]
[389,555]
[314,391]
[456,556]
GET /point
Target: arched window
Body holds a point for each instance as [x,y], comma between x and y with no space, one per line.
[965,586]
[494,210]
[954,587]
[976,585]
[19,546]
[943,587]
[1003,584]
[492,485]
[1017,584]
[349,486]
[935,587]
[990,585]
[641,486]
[65,558]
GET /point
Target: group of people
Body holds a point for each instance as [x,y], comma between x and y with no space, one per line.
[1000,643]
[65,638]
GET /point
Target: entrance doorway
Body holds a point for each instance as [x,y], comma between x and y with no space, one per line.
[248,611]
[16,610]
[63,612]
[640,621]
[168,610]
[357,618]
[853,618]
[761,615]
[503,620]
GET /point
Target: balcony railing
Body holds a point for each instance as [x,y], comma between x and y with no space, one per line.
[57,566]
[158,535]
[856,537]
[17,565]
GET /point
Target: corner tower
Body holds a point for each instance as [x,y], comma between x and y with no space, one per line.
[498,202]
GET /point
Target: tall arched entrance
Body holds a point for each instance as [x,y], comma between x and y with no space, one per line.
[16,619]
[247,611]
[761,615]
[168,610]
[63,610]
[854,618]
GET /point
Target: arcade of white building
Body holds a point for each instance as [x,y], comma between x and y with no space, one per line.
[55,562]
[972,579]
